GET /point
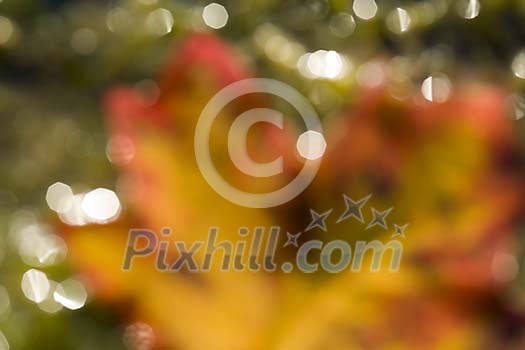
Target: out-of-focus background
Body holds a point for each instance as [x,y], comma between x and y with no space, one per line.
[422,105]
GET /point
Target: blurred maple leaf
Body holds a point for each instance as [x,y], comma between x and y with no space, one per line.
[446,168]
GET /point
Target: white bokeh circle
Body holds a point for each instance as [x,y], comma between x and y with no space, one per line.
[311,145]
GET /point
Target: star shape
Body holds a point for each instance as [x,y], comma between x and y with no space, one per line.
[291,239]
[318,220]
[399,230]
[353,208]
[379,218]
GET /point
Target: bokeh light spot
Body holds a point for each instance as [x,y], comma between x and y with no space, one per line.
[365,9]
[342,25]
[505,267]
[159,22]
[101,205]
[468,9]
[399,21]
[436,88]
[311,145]
[59,197]
[518,65]
[71,294]
[139,336]
[215,16]
[35,285]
